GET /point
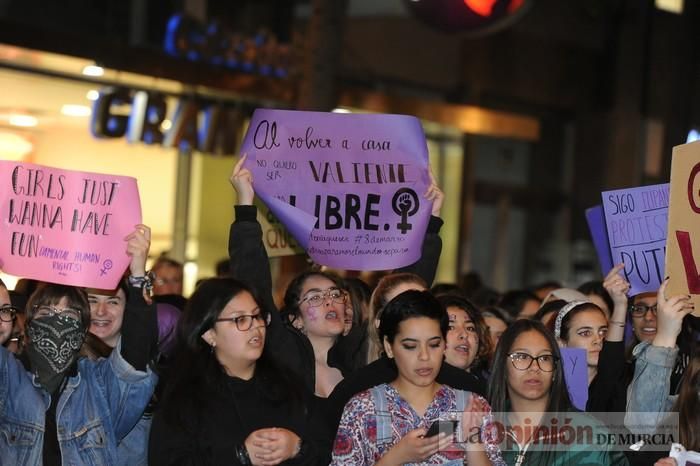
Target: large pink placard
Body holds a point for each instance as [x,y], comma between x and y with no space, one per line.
[65,226]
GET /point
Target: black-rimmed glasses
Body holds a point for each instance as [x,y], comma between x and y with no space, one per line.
[8,313]
[316,299]
[523,361]
[41,312]
[640,310]
[245,322]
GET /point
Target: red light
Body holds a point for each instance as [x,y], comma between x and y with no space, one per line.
[481,7]
[514,5]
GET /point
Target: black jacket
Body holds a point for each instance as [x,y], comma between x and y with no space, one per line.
[608,389]
[224,421]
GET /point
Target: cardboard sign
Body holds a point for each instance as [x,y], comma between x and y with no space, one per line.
[595,216]
[64,226]
[683,253]
[348,187]
[636,220]
[576,375]
[277,240]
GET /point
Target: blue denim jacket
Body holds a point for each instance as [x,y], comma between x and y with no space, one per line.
[648,399]
[97,408]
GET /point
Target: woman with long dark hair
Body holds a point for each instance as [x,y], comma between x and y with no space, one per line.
[389,424]
[528,395]
[468,345]
[226,400]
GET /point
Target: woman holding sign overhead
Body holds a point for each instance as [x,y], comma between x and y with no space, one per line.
[60,407]
[314,301]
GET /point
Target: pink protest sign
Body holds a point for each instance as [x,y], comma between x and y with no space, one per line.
[348,187]
[65,226]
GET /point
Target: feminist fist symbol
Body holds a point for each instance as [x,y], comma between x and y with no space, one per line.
[405,204]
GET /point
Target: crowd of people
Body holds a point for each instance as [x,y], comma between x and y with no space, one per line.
[405,372]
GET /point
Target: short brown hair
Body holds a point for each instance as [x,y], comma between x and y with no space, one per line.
[51,294]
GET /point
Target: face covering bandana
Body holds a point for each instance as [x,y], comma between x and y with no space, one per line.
[54,344]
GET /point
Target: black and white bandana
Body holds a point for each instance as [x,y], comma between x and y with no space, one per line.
[54,344]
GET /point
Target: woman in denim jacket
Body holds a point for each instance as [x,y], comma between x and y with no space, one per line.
[648,394]
[58,407]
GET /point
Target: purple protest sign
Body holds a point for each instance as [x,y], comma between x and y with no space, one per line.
[576,375]
[636,220]
[348,187]
[595,216]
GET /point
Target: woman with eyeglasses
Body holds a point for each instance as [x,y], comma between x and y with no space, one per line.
[582,324]
[644,317]
[60,407]
[226,400]
[651,387]
[529,399]
[8,314]
[312,300]
[391,423]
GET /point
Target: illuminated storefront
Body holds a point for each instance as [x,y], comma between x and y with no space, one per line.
[53,103]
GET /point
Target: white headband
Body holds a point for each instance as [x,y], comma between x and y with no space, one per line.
[564,311]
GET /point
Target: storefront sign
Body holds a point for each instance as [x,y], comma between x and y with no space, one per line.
[64,226]
[205,126]
[348,187]
[214,44]
[683,255]
[636,221]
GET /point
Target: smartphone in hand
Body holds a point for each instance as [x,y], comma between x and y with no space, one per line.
[442,426]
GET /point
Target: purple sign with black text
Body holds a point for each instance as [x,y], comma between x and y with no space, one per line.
[636,220]
[348,187]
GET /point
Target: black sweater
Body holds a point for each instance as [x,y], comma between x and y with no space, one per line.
[227,417]
[608,389]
